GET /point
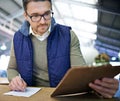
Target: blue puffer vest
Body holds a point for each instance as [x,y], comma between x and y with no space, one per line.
[58,53]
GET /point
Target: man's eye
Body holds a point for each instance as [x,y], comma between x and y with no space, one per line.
[35,15]
[47,13]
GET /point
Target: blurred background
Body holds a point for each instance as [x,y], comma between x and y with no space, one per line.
[95,22]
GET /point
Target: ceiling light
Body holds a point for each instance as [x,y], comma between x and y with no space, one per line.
[3,47]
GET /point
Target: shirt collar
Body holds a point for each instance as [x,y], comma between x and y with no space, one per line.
[40,37]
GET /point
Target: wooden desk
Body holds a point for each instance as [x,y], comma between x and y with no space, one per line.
[3,81]
[44,95]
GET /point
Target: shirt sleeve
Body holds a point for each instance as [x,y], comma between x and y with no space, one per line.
[117,94]
[12,66]
[76,56]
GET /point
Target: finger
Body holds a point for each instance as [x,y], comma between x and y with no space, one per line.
[108,83]
[102,90]
[16,84]
[22,84]
[111,83]
[106,91]
[25,84]
[13,86]
[104,94]
[109,80]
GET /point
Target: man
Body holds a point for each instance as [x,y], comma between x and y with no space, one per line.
[43,51]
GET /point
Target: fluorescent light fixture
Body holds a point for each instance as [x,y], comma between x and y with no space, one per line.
[3,47]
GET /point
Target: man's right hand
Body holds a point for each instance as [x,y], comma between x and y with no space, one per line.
[17,84]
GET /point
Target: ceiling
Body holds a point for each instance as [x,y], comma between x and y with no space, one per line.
[90,19]
[108,27]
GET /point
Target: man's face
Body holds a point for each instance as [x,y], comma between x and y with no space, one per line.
[36,9]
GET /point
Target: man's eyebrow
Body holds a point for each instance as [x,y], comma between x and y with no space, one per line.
[40,14]
[34,14]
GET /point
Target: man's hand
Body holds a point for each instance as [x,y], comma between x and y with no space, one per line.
[17,84]
[107,87]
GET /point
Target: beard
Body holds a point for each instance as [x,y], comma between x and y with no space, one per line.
[41,29]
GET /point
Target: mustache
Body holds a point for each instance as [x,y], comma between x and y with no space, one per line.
[43,25]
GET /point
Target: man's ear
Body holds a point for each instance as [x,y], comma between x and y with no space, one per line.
[25,16]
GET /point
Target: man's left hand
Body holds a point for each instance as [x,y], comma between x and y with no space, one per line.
[107,87]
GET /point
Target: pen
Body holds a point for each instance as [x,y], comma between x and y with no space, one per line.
[22,81]
[19,75]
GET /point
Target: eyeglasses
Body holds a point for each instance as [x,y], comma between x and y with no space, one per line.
[37,17]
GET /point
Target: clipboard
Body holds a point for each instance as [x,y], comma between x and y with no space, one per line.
[76,79]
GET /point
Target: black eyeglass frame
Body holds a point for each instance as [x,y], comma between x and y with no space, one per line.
[40,16]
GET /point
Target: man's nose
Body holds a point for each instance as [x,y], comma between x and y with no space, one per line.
[42,20]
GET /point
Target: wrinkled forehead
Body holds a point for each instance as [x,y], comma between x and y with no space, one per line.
[38,7]
[25,2]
